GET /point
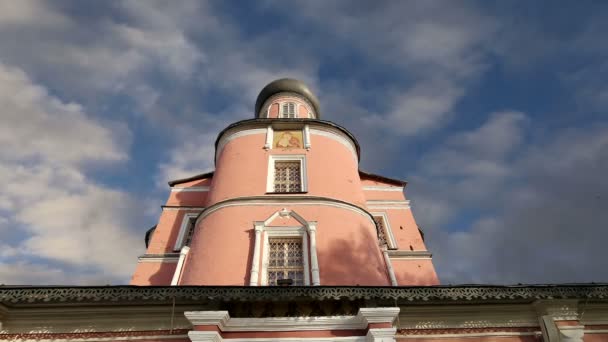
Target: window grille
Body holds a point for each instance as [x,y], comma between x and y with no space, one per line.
[381,230]
[189,231]
[285,260]
[288,110]
[287,176]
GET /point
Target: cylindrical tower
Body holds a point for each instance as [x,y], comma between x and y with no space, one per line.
[286,202]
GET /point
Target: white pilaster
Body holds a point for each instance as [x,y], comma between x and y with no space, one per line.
[269,136]
[307,137]
[205,336]
[381,335]
[314,267]
[253,279]
[180,264]
[389,266]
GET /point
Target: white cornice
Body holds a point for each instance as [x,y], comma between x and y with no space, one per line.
[410,255]
[177,208]
[383,204]
[282,201]
[234,133]
[469,335]
[190,189]
[224,322]
[468,316]
[382,188]
[158,259]
[115,338]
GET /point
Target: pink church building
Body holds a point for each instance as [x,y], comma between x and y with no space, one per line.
[288,240]
[287,202]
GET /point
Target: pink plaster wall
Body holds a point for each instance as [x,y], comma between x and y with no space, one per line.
[404,228]
[157,273]
[595,337]
[414,272]
[331,170]
[346,246]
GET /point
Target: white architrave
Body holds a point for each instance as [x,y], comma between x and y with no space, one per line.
[304,231]
[291,157]
[179,243]
[388,232]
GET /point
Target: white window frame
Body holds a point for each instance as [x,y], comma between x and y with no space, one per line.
[286,157]
[307,231]
[388,233]
[296,108]
[179,243]
[285,232]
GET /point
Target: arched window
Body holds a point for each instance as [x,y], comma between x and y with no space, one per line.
[288,110]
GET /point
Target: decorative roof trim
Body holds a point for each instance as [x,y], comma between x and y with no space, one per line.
[379,178]
[152,294]
[192,178]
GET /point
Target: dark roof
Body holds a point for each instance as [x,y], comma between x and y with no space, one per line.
[410,294]
[382,178]
[286,85]
[192,178]
[148,236]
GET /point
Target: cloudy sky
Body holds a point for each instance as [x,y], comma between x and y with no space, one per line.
[497,115]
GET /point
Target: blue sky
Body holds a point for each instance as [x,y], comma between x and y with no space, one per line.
[496,114]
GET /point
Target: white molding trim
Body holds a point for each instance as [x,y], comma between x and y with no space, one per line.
[286,157]
[381,334]
[190,189]
[115,338]
[282,202]
[169,260]
[361,321]
[338,136]
[382,204]
[205,336]
[410,255]
[178,208]
[468,316]
[236,133]
[388,232]
[482,334]
[180,264]
[596,331]
[179,242]
[382,188]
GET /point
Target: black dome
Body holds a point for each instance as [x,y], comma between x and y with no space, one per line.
[286,85]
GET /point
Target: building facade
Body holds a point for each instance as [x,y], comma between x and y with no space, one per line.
[287,240]
[286,201]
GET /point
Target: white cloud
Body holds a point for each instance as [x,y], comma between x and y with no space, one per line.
[537,207]
[56,212]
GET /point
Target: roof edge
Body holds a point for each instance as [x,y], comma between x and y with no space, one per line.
[393,181]
[191,178]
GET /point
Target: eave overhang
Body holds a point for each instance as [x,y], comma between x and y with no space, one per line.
[11,295]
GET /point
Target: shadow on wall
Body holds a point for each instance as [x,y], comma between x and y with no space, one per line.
[350,261]
[162,276]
